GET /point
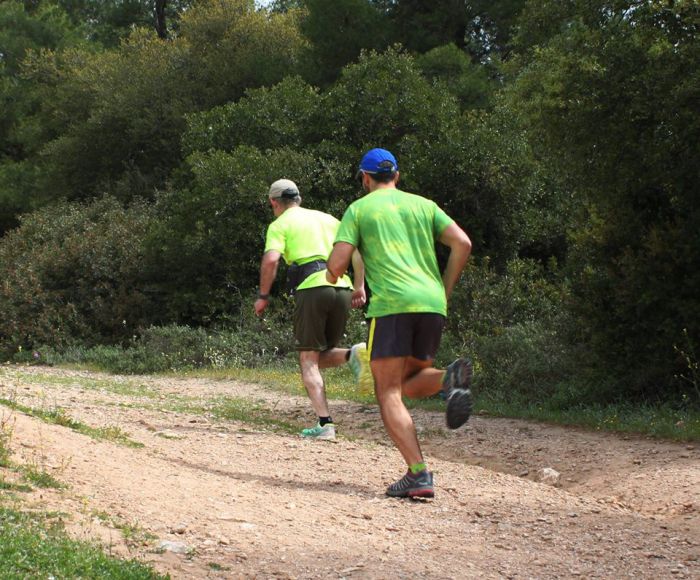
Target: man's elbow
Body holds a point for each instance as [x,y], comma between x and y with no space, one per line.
[466,244]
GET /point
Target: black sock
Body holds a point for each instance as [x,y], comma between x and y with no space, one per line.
[322,421]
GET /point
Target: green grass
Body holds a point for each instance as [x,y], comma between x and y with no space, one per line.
[59,417]
[656,421]
[34,546]
[7,486]
[243,410]
[118,386]
[41,478]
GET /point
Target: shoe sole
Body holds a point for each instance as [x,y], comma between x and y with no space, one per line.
[458,375]
[413,493]
[459,408]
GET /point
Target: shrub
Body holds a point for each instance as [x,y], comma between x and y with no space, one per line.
[514,326]
[248,341]
[73,272]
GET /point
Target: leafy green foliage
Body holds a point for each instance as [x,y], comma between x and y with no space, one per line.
[608,102]
[337,32]
[468,82]
[232,47]
[22,33]
[74,272]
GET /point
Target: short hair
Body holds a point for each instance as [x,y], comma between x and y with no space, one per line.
[287,201]
[384,177]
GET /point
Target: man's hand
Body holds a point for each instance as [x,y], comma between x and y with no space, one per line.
[330,278]
[359,297]
[260,305]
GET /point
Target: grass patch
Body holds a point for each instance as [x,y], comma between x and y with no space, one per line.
[5,436]
[656,421]
[245,411]
[41,478]
[8,486]
[34,546]
[118,386]
[59,417]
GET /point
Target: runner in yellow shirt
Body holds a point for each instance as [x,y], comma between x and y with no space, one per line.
[304,238]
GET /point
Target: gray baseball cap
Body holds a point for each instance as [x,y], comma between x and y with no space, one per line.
[283,188]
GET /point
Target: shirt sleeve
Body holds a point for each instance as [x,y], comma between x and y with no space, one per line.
[348,231]
[275,239]
[440,221]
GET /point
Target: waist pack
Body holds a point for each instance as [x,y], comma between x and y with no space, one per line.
[297,273]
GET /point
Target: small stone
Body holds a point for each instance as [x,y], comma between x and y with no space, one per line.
[248,526]
[549,476]
[174,547]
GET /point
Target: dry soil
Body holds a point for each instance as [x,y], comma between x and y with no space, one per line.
[207,498]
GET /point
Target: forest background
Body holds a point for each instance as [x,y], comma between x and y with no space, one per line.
[138,139]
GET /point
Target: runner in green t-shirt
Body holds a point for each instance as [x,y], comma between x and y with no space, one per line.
[396,233]
[304,238]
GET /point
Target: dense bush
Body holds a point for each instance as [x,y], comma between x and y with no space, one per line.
[73,272]
[610,103]
[247,341]
[514,328]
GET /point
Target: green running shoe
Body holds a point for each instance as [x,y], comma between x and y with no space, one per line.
[326,433]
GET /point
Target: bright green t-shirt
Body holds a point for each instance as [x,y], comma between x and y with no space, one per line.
[396,232]
[303,235]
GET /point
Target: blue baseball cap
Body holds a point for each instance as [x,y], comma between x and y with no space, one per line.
[378,161]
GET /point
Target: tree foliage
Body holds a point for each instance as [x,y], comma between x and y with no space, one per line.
[74,273]
[608,101]
[563,135]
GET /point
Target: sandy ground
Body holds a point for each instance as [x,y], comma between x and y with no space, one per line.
[246,501]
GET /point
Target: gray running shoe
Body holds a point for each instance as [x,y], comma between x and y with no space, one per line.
[413,485]
[456,387]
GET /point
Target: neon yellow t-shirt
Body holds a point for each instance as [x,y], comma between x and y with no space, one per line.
[396,232]
[303,235]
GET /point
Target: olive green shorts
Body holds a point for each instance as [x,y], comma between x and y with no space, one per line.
[319,317]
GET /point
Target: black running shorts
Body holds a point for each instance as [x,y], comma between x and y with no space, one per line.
[319,317]
[413,334]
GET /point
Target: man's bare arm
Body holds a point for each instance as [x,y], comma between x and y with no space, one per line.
[460,248]
[268,273]
[338,261]
[359,297]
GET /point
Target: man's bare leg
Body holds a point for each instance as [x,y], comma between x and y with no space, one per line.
[388,374]
[313,381]
[420,379]
[333,357]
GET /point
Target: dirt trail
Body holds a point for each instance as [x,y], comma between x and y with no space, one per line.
[248,502]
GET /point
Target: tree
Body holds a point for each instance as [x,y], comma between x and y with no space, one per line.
[609,102]
[337,31]
[481,28]
[110,21]
[22,32]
